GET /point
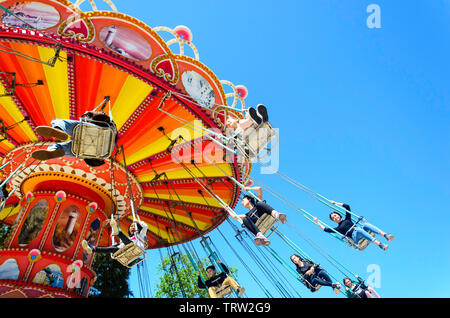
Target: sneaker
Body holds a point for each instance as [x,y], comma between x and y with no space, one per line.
[262,111]
[46,131]
[389,237]
[336,285]
[240,291]
[86,247]
[279,216]
[260,239]
[384,246]
[114,228]
[47,154]
[282,218]
[254,115]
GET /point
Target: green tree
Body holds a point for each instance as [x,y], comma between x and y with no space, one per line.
[5,232]
[112,278]
[179,277]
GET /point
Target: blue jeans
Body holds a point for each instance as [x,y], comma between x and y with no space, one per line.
[66,125]
[361,232]
[321,278]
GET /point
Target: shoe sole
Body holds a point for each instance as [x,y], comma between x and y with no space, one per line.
[47,154]
[241,291]
[262,110]
[282,218]
[390,238]
[254,115]
[259,241]
[47,132]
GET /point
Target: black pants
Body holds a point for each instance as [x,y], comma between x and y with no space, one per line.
[112,249]
[258,210]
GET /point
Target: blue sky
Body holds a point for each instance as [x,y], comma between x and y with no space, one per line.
[364,118]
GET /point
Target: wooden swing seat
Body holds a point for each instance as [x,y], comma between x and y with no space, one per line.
[257,138]
[92,142]
[224,291]
[316,287]
[267,223]
[129,255]
[362,243]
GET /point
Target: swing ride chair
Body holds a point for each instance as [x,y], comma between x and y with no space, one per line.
[224,291]
[362,243]
[93,142]
[314,288]
[359,286]
[257,138]
[130,255]
[267,223]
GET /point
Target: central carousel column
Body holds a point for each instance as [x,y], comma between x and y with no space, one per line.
[63,201]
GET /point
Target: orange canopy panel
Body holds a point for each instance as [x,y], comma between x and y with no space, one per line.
[161,137]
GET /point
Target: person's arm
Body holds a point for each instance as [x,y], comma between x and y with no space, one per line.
[360,280]
[348,216]
[237,216]
[257,189]
[310,271]
[328,230]
[144,225]
[224,267]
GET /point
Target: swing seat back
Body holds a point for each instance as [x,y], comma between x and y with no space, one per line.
[224,291]
[92,142]
[316,287]
[267,223]
[129,255]
[308,285]
[258,137]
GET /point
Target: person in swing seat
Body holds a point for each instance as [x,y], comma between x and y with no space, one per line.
[252,115]
[237,126]
[256,210]
[354,231]
[358,289]
[62,129]
[137,232]
[313,274]
[216,281]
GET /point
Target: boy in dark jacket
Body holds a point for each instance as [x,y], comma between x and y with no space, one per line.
[216,281]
